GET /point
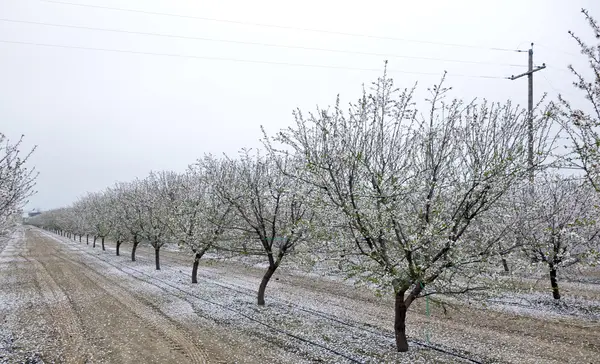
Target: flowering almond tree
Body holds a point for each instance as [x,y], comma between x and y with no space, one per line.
[197,217]
[557,223]
[153,199]
[80,219]
[268,205]
[583,128]
[116,201]
[16,181]
[98,207]
[129,210]
[410,186]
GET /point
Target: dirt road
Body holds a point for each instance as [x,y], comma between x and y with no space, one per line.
[63,301]
[68,310]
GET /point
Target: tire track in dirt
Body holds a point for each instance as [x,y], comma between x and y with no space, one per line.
[152,319]
[27,332]
[149,316]
[83,284]
[60,308]
[177,342]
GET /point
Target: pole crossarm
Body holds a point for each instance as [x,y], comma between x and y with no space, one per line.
[539,68]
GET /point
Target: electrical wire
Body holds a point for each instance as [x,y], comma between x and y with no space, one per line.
[550,84]
[371,36]
[554,88]
[237,59]
[387,55]
[558,50]
[559,69]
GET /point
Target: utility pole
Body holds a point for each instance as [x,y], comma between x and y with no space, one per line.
[529,75]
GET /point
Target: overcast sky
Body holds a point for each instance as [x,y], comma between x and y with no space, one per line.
[100,116]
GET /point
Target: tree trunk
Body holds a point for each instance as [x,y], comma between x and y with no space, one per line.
[94,243]
[87,239]
[400,323]
[135,244]
[103,243]
[157,257]
[505,265]
[195,267]
[554,283]
[263,284]
[118,246]
[80,238]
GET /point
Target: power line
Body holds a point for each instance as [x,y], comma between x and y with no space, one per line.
[387,55]
[550,84]
[556,90]
[560,69]
[237,59]
[559,50]
[371,36]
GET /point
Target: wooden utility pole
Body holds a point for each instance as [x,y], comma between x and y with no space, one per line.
[529,75]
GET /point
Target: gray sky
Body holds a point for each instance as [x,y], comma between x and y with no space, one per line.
[100,116]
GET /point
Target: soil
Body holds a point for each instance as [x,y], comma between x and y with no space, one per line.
[64,311]
[62,301]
